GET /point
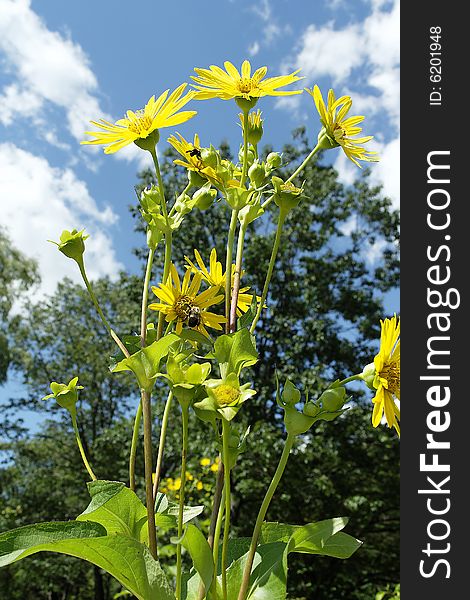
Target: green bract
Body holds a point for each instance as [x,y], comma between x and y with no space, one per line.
[65,394]
[72,244]
[224,397]
[185,380]
[286,195]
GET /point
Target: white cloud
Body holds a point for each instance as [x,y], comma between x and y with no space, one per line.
[38,201]
[48,71]
[253,48]
[387,171]
[271,27]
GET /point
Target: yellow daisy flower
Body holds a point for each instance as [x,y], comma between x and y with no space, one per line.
[205,462]
[163,112]
[217,83]
[338,128]
[199,485]
[215,277]
[386,375]
[181,302]
[191,152]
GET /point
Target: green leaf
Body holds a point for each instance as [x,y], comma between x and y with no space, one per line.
[269,572]
[117,508]
[166,513]
[201,553]
[246,319]
[124,558]
[235,352]
[145,364]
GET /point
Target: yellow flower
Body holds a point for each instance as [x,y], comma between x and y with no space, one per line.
[215,467]
[199,485]
[205,462]
[138,125]
[386,380]
[217,83]
[191,152]
[180,302]
[215,277]
[337,129]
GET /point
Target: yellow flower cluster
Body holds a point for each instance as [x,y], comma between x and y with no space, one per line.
[204,483]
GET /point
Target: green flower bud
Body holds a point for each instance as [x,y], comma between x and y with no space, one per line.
[286,195]
[246,104]
[368,375]
[210,157]
[72,244]
[333,399]
[204,197]
[311,409]
[325,141]
[149,143]
[254,131]
[273,160]
[65,395]
[154,237]
[257,174]
[250,155]
[195,179]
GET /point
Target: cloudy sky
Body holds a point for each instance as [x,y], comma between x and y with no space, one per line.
[64,63]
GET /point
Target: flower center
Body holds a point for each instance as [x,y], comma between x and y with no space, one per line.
[391,373]
[246,85]
[226,394]
[290,188]
[338,132]
[183,307]
[141,124]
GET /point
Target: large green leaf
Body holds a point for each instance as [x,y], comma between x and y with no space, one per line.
[269,572]
[166,512]
[145,364]
[124,558]
[235,351]
[117,508]
[201,554]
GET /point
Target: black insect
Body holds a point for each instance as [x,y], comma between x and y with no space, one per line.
[194,152]
[194,319]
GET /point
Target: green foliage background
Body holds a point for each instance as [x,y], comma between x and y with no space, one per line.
[322,322]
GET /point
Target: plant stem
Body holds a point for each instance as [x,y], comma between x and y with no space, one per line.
[133,452]
[145,295]
[161,443]
[272,262]
[262,513]
[166,271]
[302,166]
[168,235]
[228,267]
[237,276]
[219,484]
[184,414]
[348,380]
[225,441]
[112,333]
[147,414]
[215,548]
[80,447]
[245,147]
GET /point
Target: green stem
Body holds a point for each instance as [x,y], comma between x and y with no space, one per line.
[219,484]
[161,443]
[302,166]
[145,295]
[100,312]
[148,471]
[168,235]
[262,513]
[134,442]
[348,380]
[228,266]
[166,272]
[184,414]
[272,262]
[225,441]
[245,147]
[237,276]
[215,548]
[80,447]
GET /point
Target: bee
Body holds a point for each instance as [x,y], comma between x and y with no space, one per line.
[194,319]
[194,152]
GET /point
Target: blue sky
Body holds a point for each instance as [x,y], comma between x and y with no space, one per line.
[64,63]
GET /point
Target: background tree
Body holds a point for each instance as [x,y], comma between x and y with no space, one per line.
[322,322]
